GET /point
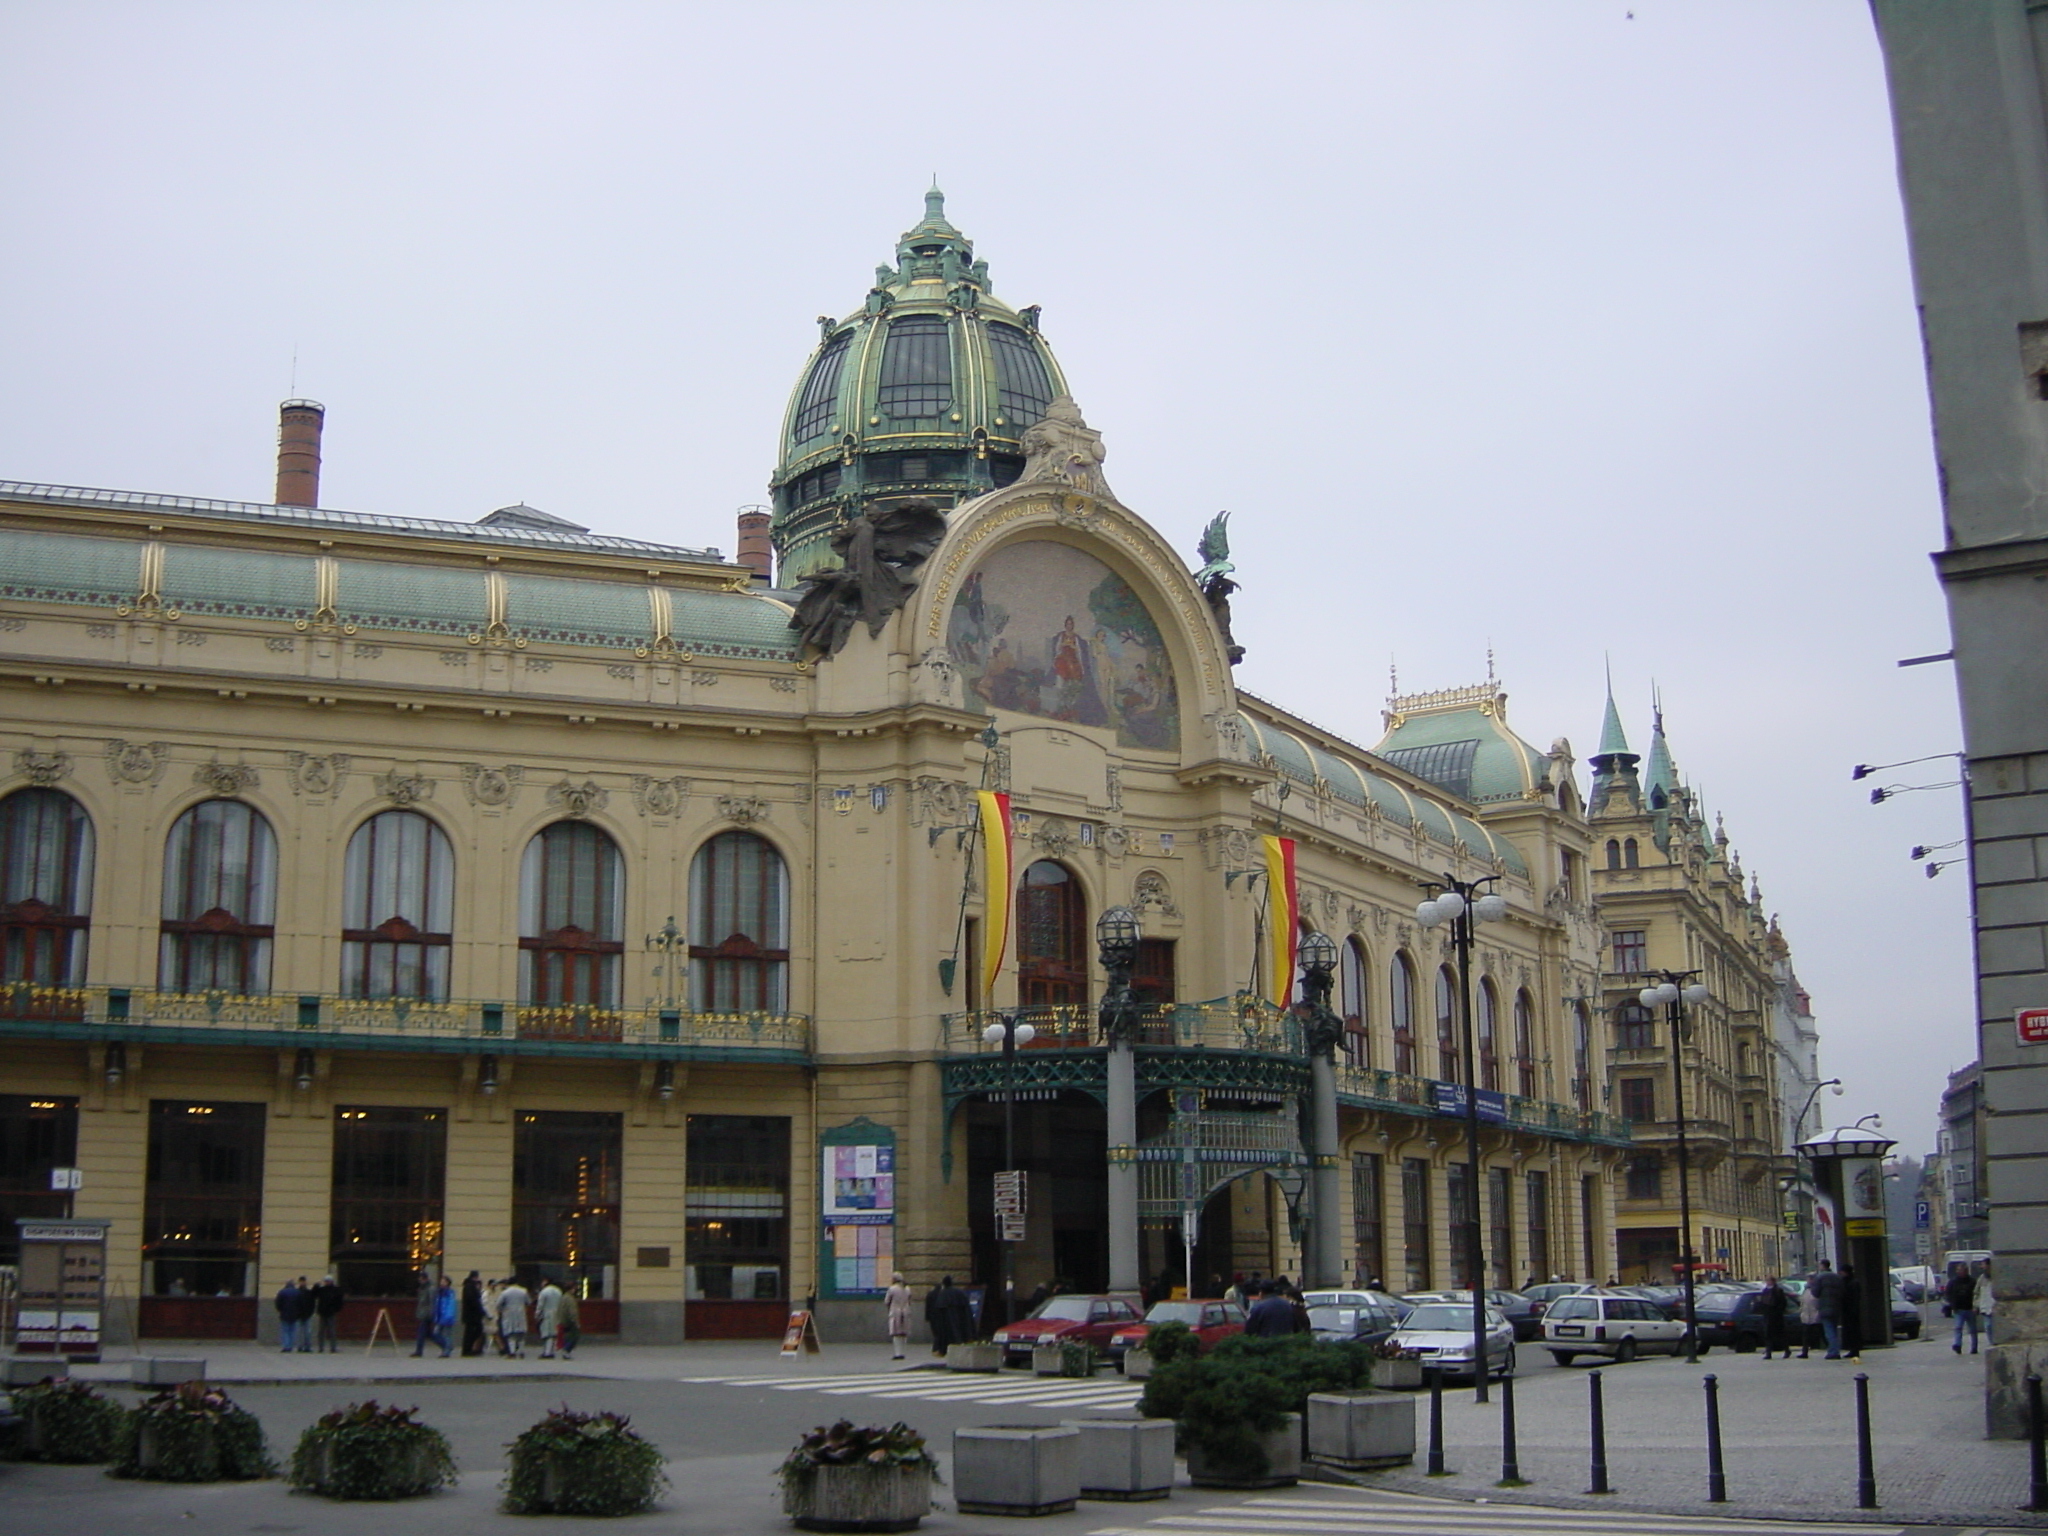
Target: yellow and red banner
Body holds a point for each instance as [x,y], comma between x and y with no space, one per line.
[1283,911]
[997,886]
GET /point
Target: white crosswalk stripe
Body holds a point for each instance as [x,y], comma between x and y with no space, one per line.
[1380,1513]
[951,1387]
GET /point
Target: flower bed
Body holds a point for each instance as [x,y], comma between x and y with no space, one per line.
[844,1478]
[583,1464]
[67,1421]
[367,1452]
[192,1433]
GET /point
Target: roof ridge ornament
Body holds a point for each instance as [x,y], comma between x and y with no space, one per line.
[1214,579]
[1063,448]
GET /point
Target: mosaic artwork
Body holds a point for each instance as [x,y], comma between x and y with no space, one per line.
[1045,630]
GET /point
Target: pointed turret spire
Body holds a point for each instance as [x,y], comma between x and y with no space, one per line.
[1662,773]
[1614,766]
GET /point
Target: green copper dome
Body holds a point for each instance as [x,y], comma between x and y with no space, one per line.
[921,394]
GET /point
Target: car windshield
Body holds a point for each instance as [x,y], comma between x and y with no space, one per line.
[1436,1318]
[1064,1309]
[1334,1319]
[1567,1307]
[1719,1301]
[1189,1312]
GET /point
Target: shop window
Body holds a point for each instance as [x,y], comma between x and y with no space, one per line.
[572,898]
[46,858]
[1415,1227]
[390,1179]
[1536,1195]
[398,880]
[1500,1210]
[37,1134]
[202,1215]
[1458,1213]
[220,900]
[739,927]
[565,1200]
[1368,1217]
[737,1208]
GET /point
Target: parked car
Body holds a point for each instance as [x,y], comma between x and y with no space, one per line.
[1550,1290]
[1066,1320]
[1441,1336]
[1365,1322]
[1525,1315]
[1209,1321]
[1729,1317]
[1395,1304]
[1609,1323]
[1905,1316]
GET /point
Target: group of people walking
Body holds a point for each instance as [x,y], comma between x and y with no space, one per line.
[306,1314]
[498,1315]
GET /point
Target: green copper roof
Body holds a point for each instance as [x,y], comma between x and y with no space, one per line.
[1661,773]
[1613,740]
[1460,740]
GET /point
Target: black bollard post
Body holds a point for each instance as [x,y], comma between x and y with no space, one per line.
[1436,1422]
[1866,1469]
[2037,1450]
[1717,1480]
[1599,1436]
[1510,1462]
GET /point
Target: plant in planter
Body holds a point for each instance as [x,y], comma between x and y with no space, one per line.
[67,1421]
[1170,1342]
[1077,1359]
[574,1463]
[191,1433]
[367,1452]
[1224,1403]
[1393,1366]
[846,1479]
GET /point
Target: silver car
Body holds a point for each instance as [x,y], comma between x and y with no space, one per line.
[1441,1337]
[1609,1323]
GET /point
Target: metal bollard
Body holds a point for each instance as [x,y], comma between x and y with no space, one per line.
[1866,1469]
[2037,1449]
[1510,1462]
[1717,1480]
[1599,1436]
[1436,1422]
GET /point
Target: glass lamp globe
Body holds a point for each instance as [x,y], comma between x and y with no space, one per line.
[1696,993]
[1490,908]
[1650,997]
[993,1034]
[1025,1034]
[1318,952]
[1429,914]
[1450,903]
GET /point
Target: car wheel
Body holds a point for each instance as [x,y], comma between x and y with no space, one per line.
[1625,1351]
[1507,1366]
[1563,1356]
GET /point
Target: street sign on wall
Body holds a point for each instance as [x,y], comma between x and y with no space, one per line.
[2032,1024]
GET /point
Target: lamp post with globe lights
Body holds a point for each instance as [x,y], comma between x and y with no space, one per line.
[1464,903]
[1317,959]
[1675,991]
[1009,1033]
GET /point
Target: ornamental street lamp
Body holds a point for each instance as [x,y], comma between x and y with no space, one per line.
[1465,903]
[1117,935]
[1317,960]
[1007,1032]
[1675,989]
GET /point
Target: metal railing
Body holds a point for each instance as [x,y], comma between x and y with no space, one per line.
[1240,1023]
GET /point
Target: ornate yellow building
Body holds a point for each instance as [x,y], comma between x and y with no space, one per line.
[383,894]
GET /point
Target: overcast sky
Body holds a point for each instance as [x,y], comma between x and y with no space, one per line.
[1529,325]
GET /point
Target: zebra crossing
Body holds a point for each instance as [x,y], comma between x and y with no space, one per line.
[951,1387]
[1323,1511]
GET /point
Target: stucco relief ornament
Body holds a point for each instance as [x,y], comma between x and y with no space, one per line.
[939,802]
[578,799]
[1151,893]
[316,775]
[744,810]
[1062,448]
[228,779]
[878,551]
[938,666]
[491,786]
[1054,837]
[136,763]
[1229,731]
[42,768]
[659,797]
[403,789]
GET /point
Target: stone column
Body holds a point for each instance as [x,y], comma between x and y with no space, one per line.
[1123,1166]
[1325,1258]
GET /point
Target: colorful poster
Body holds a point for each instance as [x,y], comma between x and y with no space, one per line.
[858,1213]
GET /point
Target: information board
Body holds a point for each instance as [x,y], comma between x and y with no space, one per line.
[857,1209]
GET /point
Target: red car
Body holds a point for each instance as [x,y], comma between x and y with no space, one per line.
[1210,1321]
[1064,1320]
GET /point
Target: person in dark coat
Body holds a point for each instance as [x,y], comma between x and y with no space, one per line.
[1272,1315]
[949,1314]
[473,1314]
[288,1316]
[1960,1298]
[327,1300]
[1852,1316]
[1771,1306]
[1826,1290]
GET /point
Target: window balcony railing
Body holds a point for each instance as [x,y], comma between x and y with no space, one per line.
[1239,1023]
[310,1019]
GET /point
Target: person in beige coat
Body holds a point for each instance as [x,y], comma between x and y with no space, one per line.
[898,1299]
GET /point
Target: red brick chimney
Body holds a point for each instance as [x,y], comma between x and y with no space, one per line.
[298,452]
[757,551]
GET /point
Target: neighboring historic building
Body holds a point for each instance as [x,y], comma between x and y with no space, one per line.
[1672,898]
[382,893]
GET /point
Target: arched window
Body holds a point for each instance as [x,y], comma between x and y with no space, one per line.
[398,900]
[1614,853]
[1582,1055]
[819,402]
[1489,1036]
[1447,1026]
[917,368]
[1525,1045]
[1628,854]
[1023,390]
[739,927]
[1052,937]
[1351,1003]
[45,888]
[1634,1027]
[1401,987]
[572,916]
[220,900]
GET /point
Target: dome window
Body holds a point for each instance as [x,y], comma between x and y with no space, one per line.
[819,482]
[917,369]
[1023,390]
[819,402]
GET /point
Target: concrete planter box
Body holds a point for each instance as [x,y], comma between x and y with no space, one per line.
[165,1370]
[974,1357]
[1137,1364]
[859,1498]
[1361,1430]
[29,1370]
[1125,1459]
[1046,1359]
[1396,1375]
[1283,1461]
[406,1468]
[1016,1469]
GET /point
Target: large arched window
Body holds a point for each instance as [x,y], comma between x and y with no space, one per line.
[819,402]
[1614,853]
[1052,937]
[45,888]
[1525,1045]
[398,900]
[1447,1026]
[572,916]
[1489,1036]
[739,927]
[917,369]
[1401,987]
[1629,854]
[1351,974]
[220,900]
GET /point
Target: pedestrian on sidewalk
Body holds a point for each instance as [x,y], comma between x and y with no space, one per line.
[1852,1316]
[512,1319]
[327,1302]
[1959,1300]
[1772,1306]
[1826,1290]
[305,1310]
[571,1323]
[1809,1321]
[472,1315]
[287,1304]
[423,1313]
[1272,1315]
[1987,1303]
[493,1338]
[447,1307]
[950,1315]
[547,1309]
[897,1299]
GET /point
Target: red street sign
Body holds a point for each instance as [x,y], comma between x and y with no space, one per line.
[2033,1026]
